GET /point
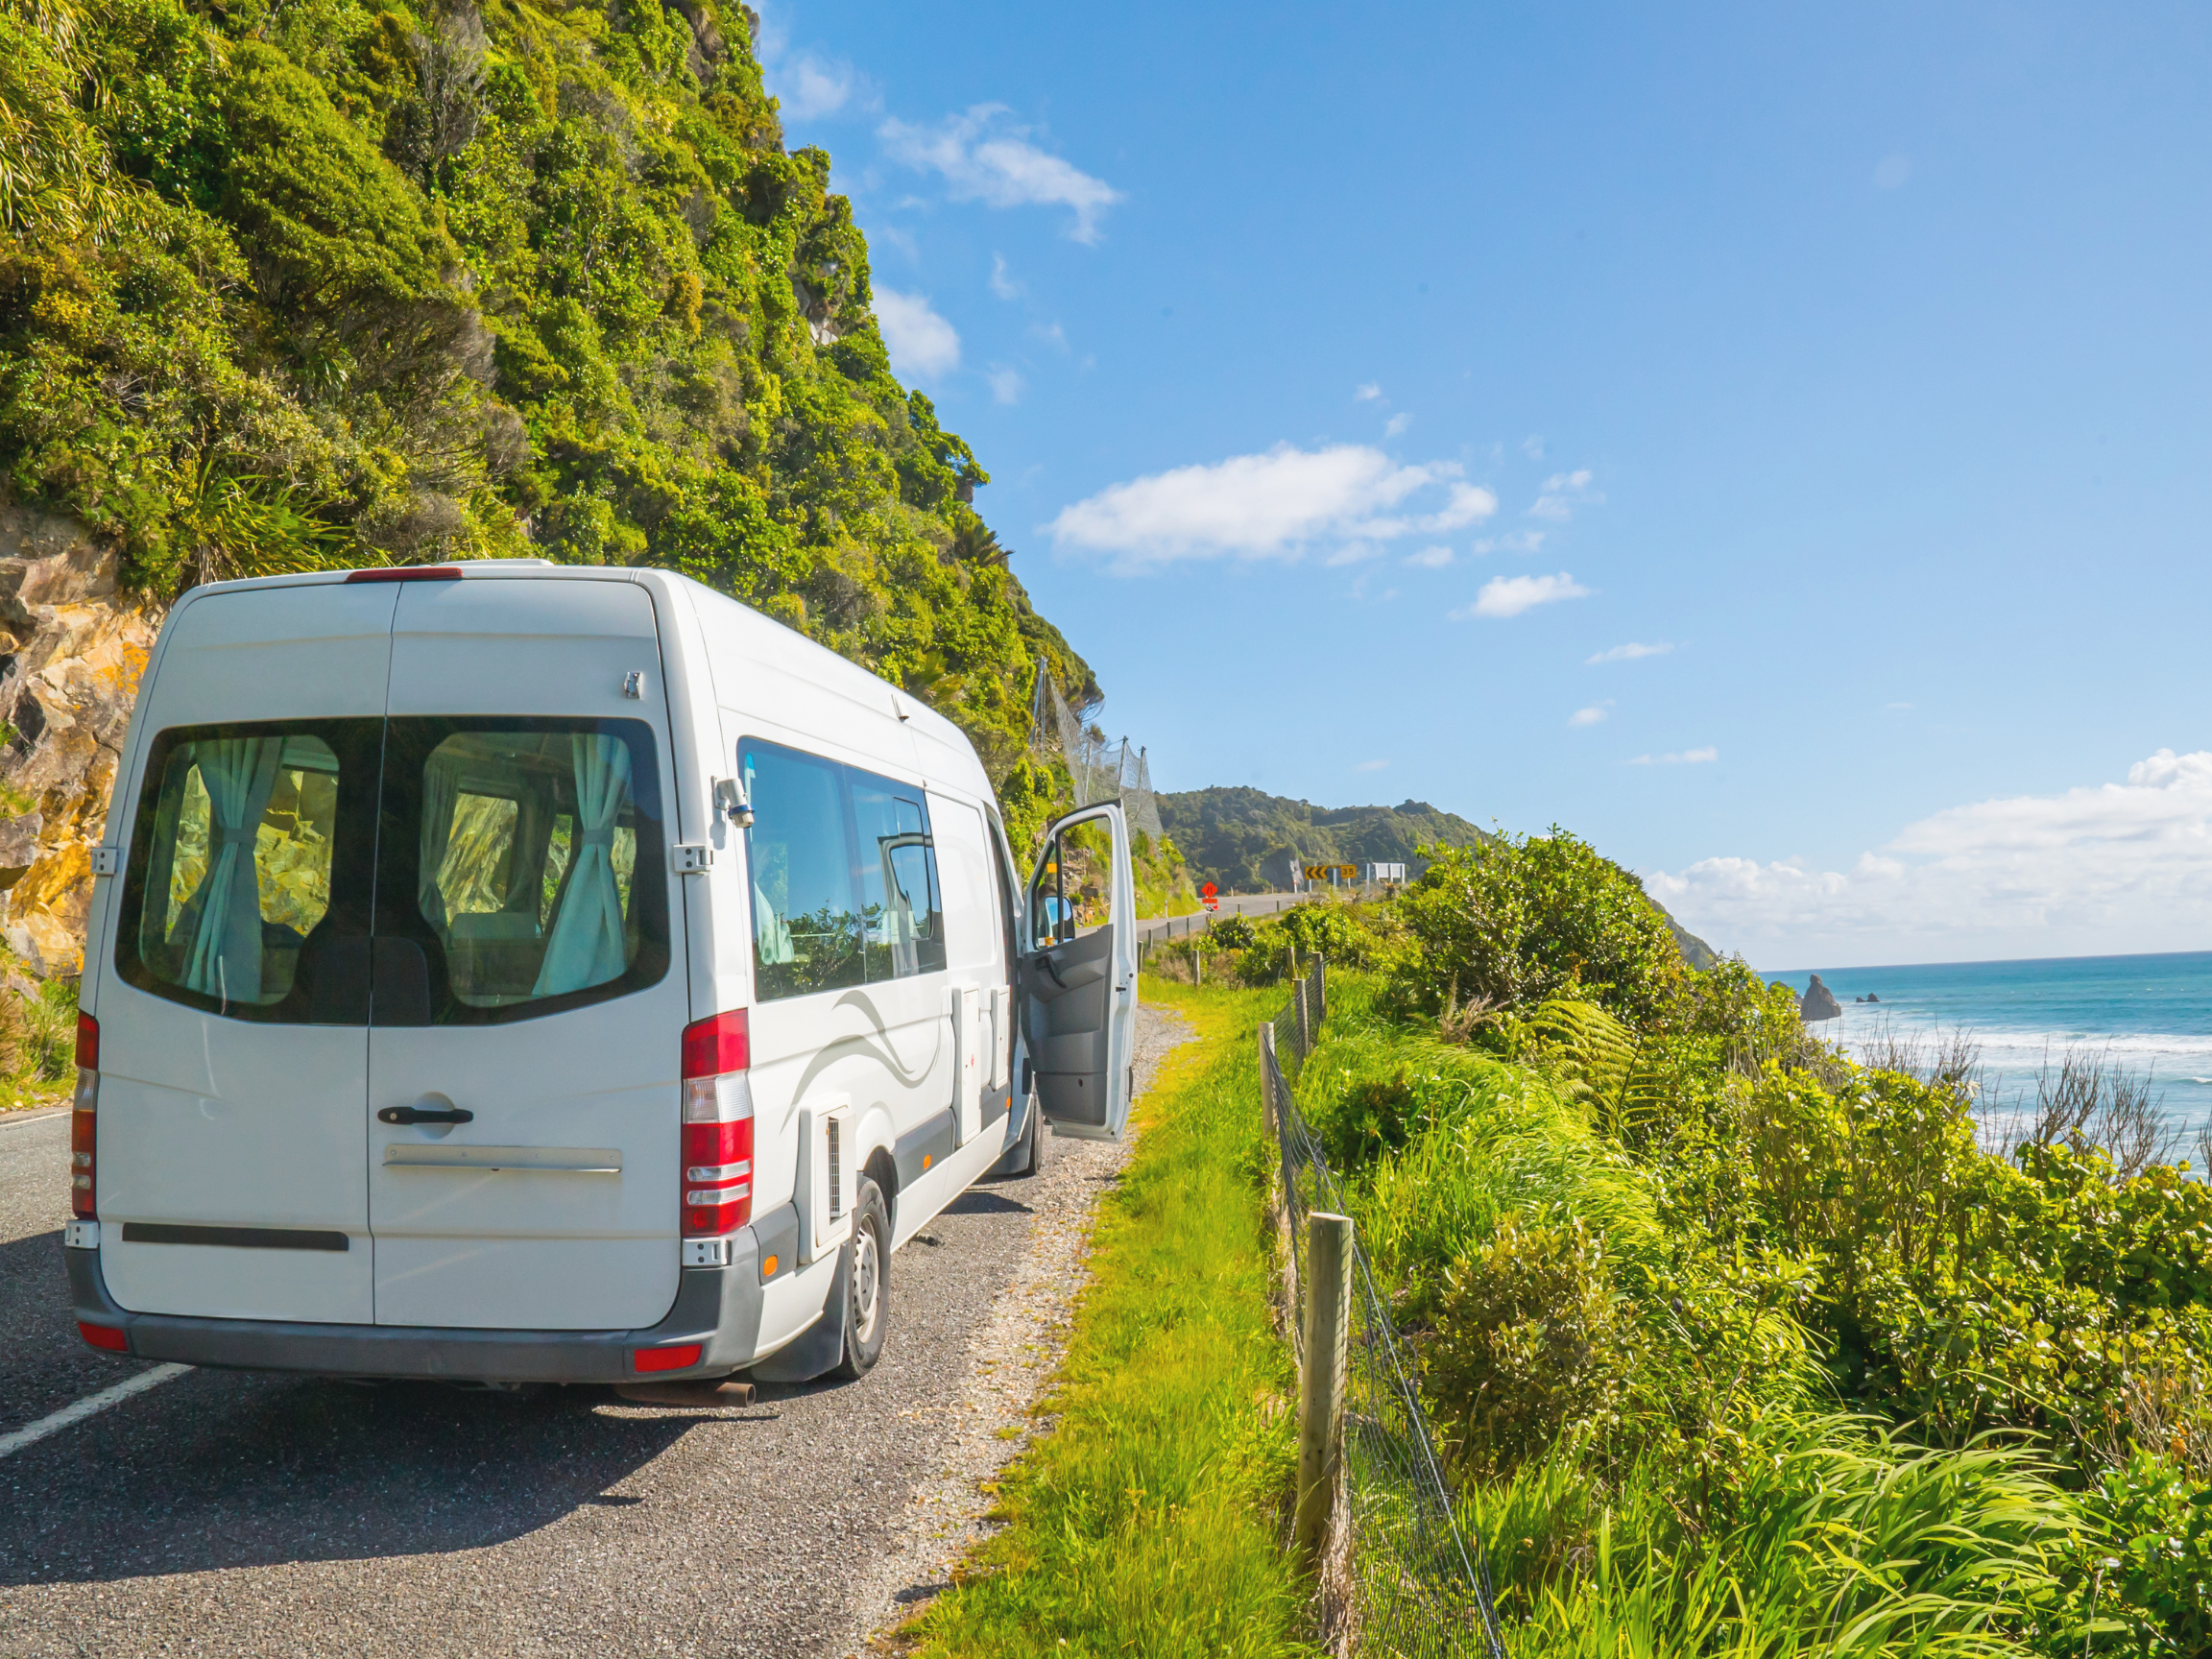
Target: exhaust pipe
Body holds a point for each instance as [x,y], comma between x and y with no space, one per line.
[703,1395]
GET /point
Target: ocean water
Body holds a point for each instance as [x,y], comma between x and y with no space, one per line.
[2153,1014]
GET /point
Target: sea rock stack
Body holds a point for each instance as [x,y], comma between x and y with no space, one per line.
[1818,1002]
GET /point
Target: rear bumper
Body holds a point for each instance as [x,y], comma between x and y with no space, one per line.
[718,1308]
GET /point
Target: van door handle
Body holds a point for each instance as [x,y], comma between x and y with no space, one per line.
[417,1115]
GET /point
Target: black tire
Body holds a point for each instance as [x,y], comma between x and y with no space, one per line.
[868,1281]
[1033,1144]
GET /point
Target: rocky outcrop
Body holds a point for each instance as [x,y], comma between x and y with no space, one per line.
[1818,1002]
[71,651]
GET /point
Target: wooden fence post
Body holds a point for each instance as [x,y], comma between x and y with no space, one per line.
[1284,1199]
[1304,1027]
[1321,1377]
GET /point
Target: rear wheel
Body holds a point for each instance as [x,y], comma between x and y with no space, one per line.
[868,1280]
[1033,1144]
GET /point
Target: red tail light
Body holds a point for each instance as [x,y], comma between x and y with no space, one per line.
[681,1357]
[83,1134]
[407,573]
[718,1175]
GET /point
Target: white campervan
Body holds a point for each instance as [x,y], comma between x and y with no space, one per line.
[516,972]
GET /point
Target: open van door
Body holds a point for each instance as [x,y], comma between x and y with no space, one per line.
[1079,979]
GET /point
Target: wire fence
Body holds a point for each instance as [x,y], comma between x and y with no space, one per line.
[1398,1576]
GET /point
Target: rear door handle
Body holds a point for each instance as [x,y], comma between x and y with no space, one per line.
[417,1115]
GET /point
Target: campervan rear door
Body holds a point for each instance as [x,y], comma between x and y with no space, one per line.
[232,969]
[525,1039]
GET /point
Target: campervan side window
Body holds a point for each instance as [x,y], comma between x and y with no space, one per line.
[898,893]
[843,874]
[806,922]
[248,885]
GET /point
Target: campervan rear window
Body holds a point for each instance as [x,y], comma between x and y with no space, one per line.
[523,860]
[463,870]
[248,888]
[843,874]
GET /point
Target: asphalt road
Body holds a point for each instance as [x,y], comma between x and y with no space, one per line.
[240,1514]
[1231,904]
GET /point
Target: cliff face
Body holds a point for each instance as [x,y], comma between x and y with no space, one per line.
[69,667]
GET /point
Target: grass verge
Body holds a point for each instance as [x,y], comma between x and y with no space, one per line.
[1149,1519]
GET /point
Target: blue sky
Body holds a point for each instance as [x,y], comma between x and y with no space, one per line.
[1358,386]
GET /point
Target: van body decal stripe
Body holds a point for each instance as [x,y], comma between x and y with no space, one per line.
[236,1237]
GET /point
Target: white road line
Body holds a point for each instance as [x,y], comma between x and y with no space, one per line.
[91,1405]
[13,1121]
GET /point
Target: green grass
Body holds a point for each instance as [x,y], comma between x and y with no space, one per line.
[1149,1519]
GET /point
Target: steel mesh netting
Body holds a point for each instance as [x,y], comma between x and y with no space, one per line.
[1400,1577]
[1096,770]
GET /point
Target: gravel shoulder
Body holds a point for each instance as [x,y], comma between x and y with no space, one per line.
[245,1515]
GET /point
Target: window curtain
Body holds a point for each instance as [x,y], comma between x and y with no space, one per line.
[587,947]
[225,957]
[771,933]
[441,795]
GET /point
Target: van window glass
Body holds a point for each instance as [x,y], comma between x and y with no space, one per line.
[1074,890]
[899,895]
[245,840]
[518,842]
[807,925]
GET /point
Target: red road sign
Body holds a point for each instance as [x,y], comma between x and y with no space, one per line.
[1208,890]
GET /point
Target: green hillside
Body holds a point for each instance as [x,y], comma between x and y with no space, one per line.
[1244,840]
[288,283]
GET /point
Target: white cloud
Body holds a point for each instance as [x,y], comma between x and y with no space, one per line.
[1532,446]
[1688,757]
[1562,493]
[1591,715]
[1002,284]
[1271,506]
[1396,425]
[1368,393]
[2105,868]
[1893,171]
[1504,597]
[1354,553]
[1628,653]
[1512,542]
[983,158]
[1051,333]
[1007,383]
[920,341]
[809,87]
[1371,767]
[890,235]
[1430,557]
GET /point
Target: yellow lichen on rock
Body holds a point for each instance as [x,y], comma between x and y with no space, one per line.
[73,652]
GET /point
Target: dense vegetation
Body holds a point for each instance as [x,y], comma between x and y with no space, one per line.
[295,282]
[1737,1346]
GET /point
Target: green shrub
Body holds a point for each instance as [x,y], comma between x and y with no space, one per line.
[1519,919]
[1529,1345]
